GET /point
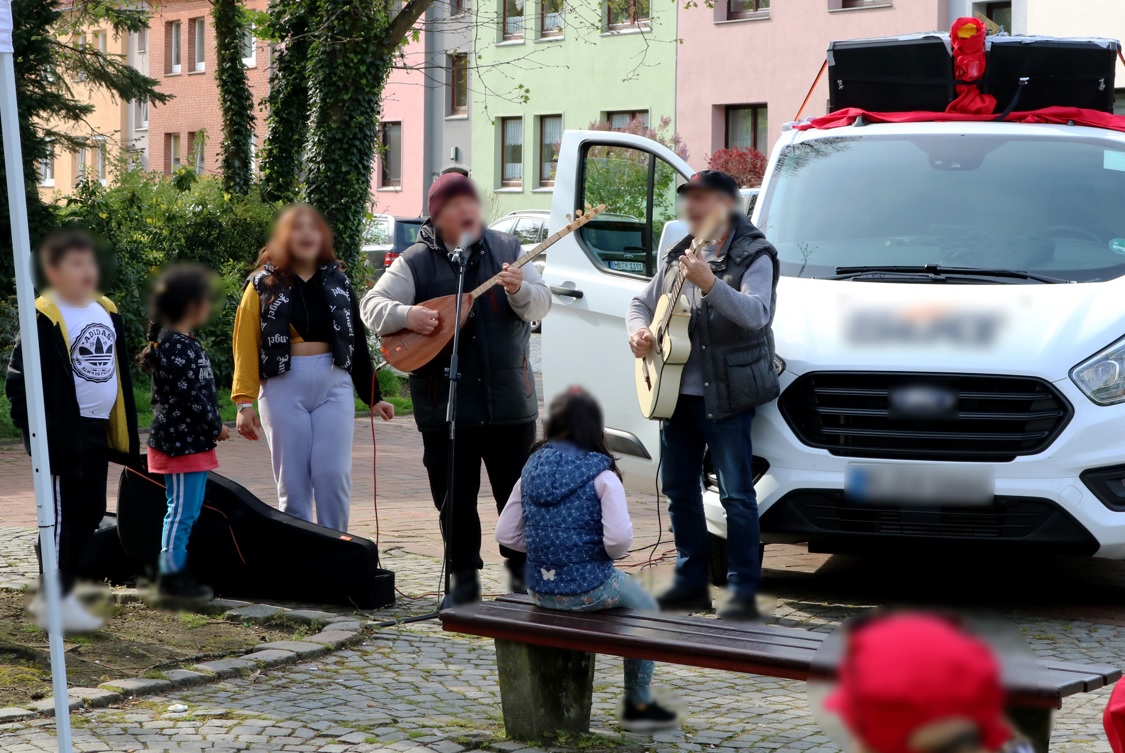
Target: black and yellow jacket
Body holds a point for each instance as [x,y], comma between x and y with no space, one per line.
[60,397]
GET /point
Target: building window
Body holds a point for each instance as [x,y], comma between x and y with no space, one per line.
[551,18]
[550,138]
[172,47]
[100,161]
[513,19]
[511,152]
[748,8]
[171,152]
[391,139]
[999,14]
[623,14]
[195,148]
[851,4]
[80,43]
[253,156]
[101,42]
[140,115]
[747,127]
[47,168]
[457,7]
[79,164]
[142,40]
[249,49]
[458,83]
[620,120]
[197,33]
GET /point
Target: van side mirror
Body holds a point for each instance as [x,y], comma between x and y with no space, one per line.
[674,231]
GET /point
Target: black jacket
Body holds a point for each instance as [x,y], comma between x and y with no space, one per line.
[497,386]
[61,399]
[185,405]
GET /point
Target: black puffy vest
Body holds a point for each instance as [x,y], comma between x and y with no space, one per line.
[274,353]
[497,386]
[737,363]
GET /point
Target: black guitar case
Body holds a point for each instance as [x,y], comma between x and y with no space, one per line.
[105,559]
[243,548]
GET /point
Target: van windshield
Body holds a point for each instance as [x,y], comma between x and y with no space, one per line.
[1050,207]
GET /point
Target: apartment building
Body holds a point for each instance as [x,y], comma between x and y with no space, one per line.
[180,49]
[105,129]
[545,66]
[398,179]
[450,83]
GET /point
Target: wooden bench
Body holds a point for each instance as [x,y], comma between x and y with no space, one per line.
[545,661]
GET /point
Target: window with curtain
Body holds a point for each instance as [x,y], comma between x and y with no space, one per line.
[747,127]
[47,168]
[142,39]
[1000,14]
[175,31]
[198,43]
[620,119]
[621,14]
[172,152]
[513,19]
[458,83]
[550,18]
[140,114]
[79,164]
[249,48]
[747,8]
[550,138]
[511,152]
[392,155]
[100,162]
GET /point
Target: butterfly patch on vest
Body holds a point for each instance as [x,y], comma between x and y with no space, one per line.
[547,574]
[91,353]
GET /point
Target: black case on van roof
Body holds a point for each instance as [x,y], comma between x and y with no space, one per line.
[915,73]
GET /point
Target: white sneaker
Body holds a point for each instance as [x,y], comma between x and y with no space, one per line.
[36,607]
[75,617]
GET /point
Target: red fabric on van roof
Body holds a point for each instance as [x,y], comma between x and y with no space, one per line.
[1057,115]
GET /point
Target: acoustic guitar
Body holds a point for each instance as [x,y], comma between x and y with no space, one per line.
[658,374]
[407,350]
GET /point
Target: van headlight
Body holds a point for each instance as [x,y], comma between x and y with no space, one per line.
[1102,376]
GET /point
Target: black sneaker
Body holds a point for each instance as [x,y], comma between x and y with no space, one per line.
[465,590]
[740,609]
[182,589]
[681,598]
[649,717]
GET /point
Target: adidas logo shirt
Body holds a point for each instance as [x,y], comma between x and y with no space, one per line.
[93,357]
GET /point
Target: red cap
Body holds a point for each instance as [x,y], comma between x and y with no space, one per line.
[446,187]
[906,672]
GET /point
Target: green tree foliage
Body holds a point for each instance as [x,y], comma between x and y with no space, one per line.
[50,64]
[235,100]
[290,22]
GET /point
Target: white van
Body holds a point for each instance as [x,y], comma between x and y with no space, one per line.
[949,327]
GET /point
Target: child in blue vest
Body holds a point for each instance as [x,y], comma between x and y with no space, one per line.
[568,512]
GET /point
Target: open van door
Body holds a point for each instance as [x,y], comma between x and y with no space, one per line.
[595,272]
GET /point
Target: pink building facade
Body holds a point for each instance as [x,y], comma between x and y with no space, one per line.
[398,180]
[745,66]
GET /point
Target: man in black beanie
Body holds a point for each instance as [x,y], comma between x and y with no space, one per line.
[497,406]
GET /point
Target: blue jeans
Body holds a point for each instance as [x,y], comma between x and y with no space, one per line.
[185,500]
[619,591]
[683,440]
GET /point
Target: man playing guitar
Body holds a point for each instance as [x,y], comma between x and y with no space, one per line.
[730,286]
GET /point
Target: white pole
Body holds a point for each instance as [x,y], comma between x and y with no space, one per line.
[33,376]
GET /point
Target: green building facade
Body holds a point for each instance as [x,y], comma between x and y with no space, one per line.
[544,66]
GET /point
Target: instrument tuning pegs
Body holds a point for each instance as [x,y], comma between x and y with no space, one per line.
[568,218]
[578,213]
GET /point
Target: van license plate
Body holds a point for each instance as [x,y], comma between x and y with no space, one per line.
[627,266]
[917,484]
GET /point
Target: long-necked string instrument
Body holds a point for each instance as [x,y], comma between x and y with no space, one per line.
[407,350]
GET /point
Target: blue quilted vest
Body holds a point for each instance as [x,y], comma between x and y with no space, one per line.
[563,521]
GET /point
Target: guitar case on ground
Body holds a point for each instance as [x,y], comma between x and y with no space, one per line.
[243,548]
[105,559]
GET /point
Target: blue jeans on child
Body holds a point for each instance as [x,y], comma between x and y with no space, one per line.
[684,438]
[185,499]
[619,591]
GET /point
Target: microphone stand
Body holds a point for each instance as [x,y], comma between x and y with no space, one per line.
[459,258]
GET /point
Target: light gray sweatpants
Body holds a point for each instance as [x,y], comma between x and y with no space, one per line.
[308,414]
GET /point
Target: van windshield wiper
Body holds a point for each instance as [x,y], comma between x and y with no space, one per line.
[939,273]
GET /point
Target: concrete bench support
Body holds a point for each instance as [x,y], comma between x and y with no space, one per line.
[544,691]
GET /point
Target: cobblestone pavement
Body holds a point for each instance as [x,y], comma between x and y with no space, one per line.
[414,688]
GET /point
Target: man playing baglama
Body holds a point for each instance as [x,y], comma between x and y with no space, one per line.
[497,406]
[730,285]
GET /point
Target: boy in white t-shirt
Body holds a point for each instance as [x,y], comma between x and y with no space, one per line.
[88,398]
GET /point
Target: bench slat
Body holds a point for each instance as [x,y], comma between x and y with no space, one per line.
[752,649]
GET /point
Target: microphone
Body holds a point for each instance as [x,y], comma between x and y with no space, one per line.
[457,255]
